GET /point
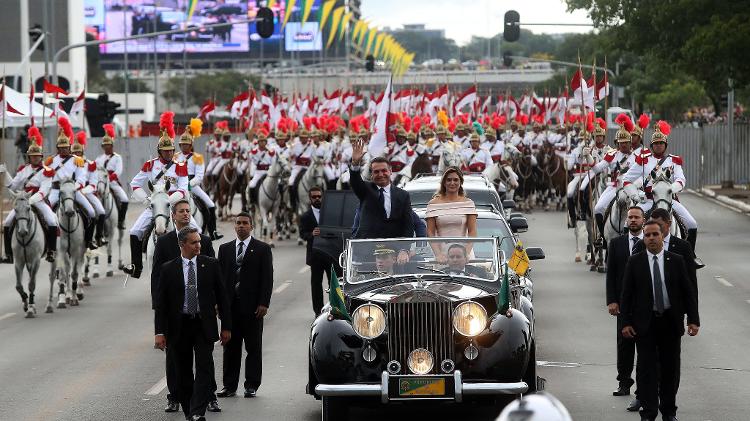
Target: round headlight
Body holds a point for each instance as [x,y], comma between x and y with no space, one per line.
[369,321]
[469,318]
[420,361]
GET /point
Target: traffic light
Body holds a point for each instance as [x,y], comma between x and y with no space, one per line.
[512,27]
[100,111]
[35,32]
[507,59]
[370,63]
[264,22]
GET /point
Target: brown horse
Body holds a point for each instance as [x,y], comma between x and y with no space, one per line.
[226,188]
[554,179]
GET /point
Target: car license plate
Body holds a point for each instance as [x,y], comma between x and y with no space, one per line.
[421,386]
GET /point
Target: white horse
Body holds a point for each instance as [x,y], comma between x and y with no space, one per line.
[270,199]
[71,246]
[501,173]
[161,219]
[111,213]
[28,248]
[661,182]
[451,157]
[313,177]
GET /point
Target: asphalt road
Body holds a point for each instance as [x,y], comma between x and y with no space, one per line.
[97,361]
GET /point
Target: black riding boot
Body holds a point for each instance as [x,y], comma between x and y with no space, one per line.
[212,225]
[135,268]
[692,236]
[600,226]
[121,215]
[8,243]
[51,243]
[571,212]
[100,241]
[88,233]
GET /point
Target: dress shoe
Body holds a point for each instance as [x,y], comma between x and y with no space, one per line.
[669,418]
[226,393]
[172,406]
[213,406]
[621,391]
[197,418]
[250,392]
[634,405]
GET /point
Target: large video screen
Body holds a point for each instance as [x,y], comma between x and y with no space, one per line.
[148,16]
[302,38]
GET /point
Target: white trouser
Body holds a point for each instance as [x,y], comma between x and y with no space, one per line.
[295,171]
[211,165]
[607,195]
[574,183]
[344,177]
[49,217]
[242,168]
[202,196]
[119,192]
[679,209]
[54,196]
[96,203]
[328,171]
[219,165]
[256,178]
[144,221]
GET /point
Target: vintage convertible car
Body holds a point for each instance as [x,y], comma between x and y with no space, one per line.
[427,330]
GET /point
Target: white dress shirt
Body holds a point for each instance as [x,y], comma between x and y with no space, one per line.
[666,241]
[316,213]
[386,199]
[660,261]
[185,268]
[632,243]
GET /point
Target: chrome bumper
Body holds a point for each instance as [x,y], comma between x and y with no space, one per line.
[461,389]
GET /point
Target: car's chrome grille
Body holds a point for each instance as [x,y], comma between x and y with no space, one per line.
[420,325]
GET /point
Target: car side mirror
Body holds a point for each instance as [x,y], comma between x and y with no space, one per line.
[535,253]
[519,224]
[509,204]
[515,215]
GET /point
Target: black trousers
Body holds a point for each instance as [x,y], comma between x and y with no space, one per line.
[316,285]
[658,370]
[193,392]
[172,383]
[247,329]
[625,357]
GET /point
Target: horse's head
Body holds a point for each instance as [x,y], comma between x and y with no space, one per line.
[102,184]
[68,197]
[160,209]
[451,158]
[22,207]
[661,187]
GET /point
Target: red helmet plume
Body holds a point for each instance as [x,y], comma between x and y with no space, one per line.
[109,129]
[643,121]
[35,134]
[81,138]
[664,127]
[166,122]
[66,127]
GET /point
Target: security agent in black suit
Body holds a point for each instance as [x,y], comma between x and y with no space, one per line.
[619,251]
[308,230]
[457,259]
[657,293]
[385,210]
[190,293]
[247,267]
[167,249]
[676,245]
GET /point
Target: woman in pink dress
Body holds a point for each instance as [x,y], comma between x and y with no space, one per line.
[450,213]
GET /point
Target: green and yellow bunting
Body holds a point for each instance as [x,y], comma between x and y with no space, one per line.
[336,297]
[325,13]
[335,22]
[306,8]
[288,12]
[191,9]
[344,25]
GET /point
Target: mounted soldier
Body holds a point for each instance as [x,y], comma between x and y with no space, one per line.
[90,180]
[476,159]
[112,163]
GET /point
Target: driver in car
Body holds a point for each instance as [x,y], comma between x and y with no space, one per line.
[385,259]
[457,259]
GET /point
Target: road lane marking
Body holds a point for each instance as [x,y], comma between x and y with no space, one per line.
[557,364]
[283,286]
[7,315]
[723,281]
[158,387]
[304,269]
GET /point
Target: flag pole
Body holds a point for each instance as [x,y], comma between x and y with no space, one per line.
[2,184]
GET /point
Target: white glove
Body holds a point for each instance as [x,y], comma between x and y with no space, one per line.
[586,152]
[139,195]
[36,198]
[3,168]
[88,189]
[676,187]
[175,197]
[194,182]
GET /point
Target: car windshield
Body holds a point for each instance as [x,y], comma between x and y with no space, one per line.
[481,198]
[458,257]
[487,227]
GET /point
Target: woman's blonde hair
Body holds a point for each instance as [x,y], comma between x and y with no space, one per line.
[450,170]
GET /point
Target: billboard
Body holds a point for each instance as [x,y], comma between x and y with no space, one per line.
[147,16]
[302,38]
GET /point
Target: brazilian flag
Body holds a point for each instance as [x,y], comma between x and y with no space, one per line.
[336,297]
[503,297]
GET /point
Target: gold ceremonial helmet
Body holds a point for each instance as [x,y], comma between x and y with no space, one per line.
[622,135]
[165,142]
[599,131]
[490,132]
[76,148]
[63,141]
[34,149]
[186,138]
[441,130]
[411,136]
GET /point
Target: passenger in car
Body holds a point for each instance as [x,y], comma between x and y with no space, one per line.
[457,263]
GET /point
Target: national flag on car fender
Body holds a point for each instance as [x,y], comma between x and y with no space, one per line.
[519,261]
[503,297]
[336,296]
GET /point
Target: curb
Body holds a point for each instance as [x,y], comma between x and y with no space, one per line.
[744,207]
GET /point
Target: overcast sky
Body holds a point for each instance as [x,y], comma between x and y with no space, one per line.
[463,18]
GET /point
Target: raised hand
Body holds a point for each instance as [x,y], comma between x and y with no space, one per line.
[358,152]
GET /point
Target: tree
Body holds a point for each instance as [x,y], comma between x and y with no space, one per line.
[675,97]
[221,86]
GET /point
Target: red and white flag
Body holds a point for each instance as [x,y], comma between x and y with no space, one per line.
[79,107]
[53,89]
[5,106]
[380,132]
[468,97]
[602,88]
[208,108]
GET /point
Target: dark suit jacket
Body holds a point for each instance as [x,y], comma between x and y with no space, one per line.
[637,302]
[171,297]
[472,270]
[167,249]
[684,249]
[373,222]
[618,253]
[307,224]
[255,277]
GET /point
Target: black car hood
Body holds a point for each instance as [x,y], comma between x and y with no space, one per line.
[425,291]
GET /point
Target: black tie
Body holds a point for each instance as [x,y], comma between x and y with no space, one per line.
[658,291]
[635,241]
[381,200]
[191,293]
[240,253]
